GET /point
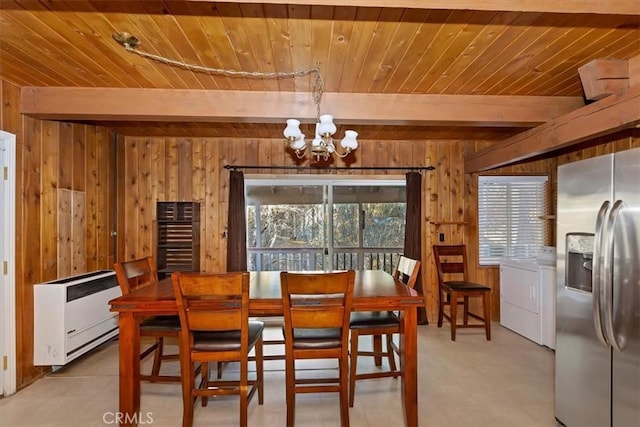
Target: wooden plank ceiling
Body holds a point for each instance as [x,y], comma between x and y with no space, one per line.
[513,50]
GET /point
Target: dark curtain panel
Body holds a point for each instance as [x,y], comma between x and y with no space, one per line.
[413,231]
[237,228]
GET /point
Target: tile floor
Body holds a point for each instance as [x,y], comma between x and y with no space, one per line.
[468,383]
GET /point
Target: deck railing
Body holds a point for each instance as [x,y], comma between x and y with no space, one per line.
[296,259]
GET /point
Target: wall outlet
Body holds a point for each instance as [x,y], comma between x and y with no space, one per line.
[441,237]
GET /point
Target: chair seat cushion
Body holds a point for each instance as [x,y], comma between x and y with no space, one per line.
[466,286]
[161,323]
[376,319]
[314,338]
[226,340]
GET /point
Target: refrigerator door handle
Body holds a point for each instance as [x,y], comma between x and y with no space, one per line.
[596,276]
[608,274]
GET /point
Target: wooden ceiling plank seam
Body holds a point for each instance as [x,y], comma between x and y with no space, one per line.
[398,48]
[554,60]
[416,50]
[134,66]
[483,65]
[75,40]
[562,85]
[63,46]
[342,33]
[300,42]
[536,56]
[181,32]
[160,24]
[530,42]
[321,30]
[209,27]
[23,35]
[558,67]
[29,75]
[198,44]
[476,49]
[468,32]
[261,49]
[607,41]
[225,48]
[277,18]
[131,23]
[363,28]
[438,47]
[508,58]
[435,26]
[617,7]
[381,37]
[96,41]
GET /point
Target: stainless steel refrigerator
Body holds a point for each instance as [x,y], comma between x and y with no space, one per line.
[598,292]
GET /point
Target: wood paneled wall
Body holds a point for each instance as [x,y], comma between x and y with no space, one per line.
[159,169]
[54,159]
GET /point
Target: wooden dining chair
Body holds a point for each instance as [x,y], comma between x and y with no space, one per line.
[316,326]
[214,315]
[377,324]
[453,283]
[132,275]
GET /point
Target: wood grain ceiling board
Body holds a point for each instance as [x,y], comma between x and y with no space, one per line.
[364,46]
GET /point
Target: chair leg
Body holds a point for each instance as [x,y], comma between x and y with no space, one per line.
[220,365]
[440,308]
[453,313]
[244,380]
[390,355]
[188,382]
[486,302]
[157,356]
[290,390]
[260,370]
[377,349]
[353,366]
[344,391]
[204,381]
[465,314]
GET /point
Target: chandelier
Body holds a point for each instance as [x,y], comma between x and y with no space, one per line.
[322,146]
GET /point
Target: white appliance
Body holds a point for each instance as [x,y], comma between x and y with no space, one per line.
[528,296]
[598,322]
[71,316]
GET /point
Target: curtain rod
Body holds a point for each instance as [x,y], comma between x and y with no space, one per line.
[331,168]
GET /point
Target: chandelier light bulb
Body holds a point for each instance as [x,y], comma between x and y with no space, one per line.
[298,144]
[349,142]
[326,127]
[292,131]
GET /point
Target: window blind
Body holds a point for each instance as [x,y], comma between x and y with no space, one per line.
[509,211]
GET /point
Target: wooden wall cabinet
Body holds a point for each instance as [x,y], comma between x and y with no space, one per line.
[178,236]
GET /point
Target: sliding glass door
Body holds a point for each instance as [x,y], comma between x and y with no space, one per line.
[324,224]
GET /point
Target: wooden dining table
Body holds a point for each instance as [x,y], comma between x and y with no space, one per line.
[374,290]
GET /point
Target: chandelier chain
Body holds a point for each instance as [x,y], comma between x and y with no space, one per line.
[317,86]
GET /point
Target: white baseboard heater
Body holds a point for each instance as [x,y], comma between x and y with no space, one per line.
[71,316]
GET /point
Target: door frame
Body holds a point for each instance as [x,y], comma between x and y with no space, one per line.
[8,278]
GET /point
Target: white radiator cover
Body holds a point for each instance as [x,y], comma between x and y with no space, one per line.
[71,316]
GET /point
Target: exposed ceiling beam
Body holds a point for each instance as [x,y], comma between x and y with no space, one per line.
[179,105]
[609,115]
[610,7]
